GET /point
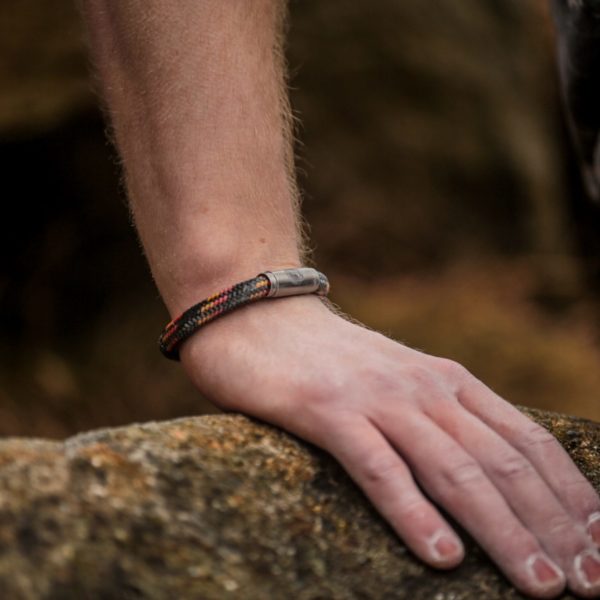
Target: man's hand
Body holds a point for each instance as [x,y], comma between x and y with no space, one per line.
[413,431]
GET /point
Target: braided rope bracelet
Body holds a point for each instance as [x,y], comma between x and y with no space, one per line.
[270,284]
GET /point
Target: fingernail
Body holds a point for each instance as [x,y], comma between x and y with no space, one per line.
[544,572]
[593,527]
[443,546]
[587,567]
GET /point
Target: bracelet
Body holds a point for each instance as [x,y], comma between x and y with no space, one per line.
[270,284]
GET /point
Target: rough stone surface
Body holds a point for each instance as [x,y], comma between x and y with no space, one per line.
[216,507]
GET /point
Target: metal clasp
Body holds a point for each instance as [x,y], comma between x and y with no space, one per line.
[294,282]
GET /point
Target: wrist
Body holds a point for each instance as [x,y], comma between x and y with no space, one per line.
[241,329]
[187,281]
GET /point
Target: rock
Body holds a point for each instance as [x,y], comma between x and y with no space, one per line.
[215,507]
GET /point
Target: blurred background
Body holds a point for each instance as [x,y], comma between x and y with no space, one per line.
[438,179]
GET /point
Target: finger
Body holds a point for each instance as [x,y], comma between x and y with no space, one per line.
[384,477]
[455,480]
[540,447]
[563,537]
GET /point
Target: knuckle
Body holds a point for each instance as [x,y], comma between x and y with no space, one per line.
[463,474]
[538,438]
[579,491]
[512,466]
[453,369]
[379,470]
[560,525]
[412,510]
[513,534]
[423,376]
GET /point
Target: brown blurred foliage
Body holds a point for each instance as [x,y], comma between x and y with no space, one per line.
[437,180]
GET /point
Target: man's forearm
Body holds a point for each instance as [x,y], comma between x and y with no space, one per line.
[197,102]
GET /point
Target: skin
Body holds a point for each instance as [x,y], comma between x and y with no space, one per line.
[196,96]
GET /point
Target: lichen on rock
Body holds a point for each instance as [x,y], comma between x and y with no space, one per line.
[214,507]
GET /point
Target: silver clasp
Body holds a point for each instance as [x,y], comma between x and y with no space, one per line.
[294,282]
